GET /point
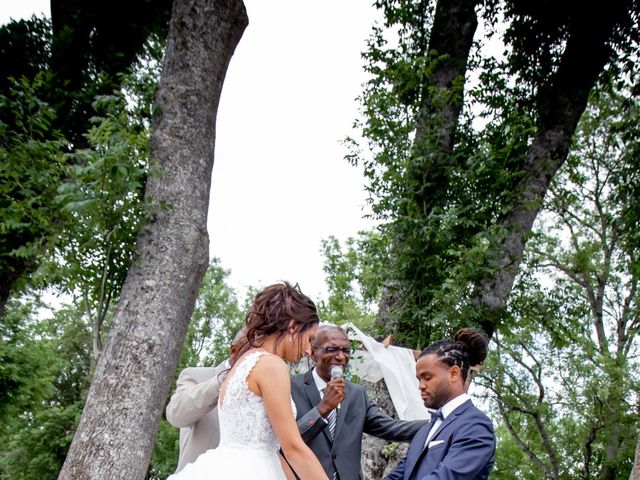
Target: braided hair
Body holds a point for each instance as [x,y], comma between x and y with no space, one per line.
[468,349]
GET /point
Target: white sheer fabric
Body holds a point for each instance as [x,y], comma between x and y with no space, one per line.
[398,367]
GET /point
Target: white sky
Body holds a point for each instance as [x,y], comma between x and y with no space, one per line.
[280,183]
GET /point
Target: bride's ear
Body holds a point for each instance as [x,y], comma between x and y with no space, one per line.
[291,329]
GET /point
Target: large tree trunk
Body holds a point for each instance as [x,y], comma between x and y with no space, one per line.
[379,457]
[562,103]
[454,26]
[117,429]
[635,472]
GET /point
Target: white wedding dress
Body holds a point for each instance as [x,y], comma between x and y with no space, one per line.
[248,446]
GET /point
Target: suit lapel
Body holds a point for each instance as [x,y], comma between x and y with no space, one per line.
[313,396]
[451,418]
[420,438]
[310,389]
[416,449]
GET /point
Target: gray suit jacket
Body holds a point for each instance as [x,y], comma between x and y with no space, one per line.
[357,415]
[193,408]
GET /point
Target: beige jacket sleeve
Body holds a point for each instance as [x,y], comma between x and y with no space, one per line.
[197,392]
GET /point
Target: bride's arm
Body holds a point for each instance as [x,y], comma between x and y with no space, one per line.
[270,379]
[286,468]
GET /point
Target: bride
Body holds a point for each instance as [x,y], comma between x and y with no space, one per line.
[257,417]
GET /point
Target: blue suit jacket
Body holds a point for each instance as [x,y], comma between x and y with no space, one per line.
[462,448]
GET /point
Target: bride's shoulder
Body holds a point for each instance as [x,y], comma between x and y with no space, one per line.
[258,360]
[270,361]
[267,371]
[268,365]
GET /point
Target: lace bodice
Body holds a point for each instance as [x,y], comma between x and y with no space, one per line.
[243,420]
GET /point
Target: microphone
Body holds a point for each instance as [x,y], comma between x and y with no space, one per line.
[336,372]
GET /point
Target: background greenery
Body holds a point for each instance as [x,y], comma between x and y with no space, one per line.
[561,382]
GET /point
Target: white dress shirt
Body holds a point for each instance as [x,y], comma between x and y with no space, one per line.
[320,385]
[447,409]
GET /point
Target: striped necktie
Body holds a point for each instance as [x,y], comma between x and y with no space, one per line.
[332,418]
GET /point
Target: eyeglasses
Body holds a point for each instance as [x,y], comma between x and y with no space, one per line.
[334,350]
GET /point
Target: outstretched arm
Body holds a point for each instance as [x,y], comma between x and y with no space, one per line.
[381,425]
[270,379]
[194,397]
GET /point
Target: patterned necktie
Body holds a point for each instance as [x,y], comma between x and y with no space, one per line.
[332,418]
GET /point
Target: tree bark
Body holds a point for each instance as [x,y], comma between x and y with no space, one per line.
[116,433]
[635,472]
[561,105]
[379,456]
[454,26]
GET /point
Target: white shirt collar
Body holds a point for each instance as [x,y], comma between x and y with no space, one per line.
[451,405]
[320,383]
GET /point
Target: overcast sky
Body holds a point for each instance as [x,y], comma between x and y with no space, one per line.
[280,184]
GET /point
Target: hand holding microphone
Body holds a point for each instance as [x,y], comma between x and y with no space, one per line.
[333,393]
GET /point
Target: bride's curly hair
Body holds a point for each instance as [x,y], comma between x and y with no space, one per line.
[271,312]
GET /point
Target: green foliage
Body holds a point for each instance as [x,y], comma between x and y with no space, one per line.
[564,373]
[25,51]
[165,452]
[51,362]
[32,165]
[103,196]
[20,356]
[445,184]
[46,369]
[38,443]
[441,207]
[71,207]
[354,278]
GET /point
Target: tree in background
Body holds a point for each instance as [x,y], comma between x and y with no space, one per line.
[85,206]
[32,166]
[564,376]
[120,419]
[215,321]
[64,64]
[46,370]
[353,278]
[102,196]
[458,173]
[46,367]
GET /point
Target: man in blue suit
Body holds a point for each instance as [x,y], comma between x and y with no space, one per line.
[458,443]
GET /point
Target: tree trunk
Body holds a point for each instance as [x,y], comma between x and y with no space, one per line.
[118,426]
[379,457]
[561,105]
[635,472]
[454,26]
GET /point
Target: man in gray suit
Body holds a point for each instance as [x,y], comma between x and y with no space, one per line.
[193,407]
[333,413]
